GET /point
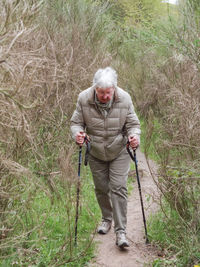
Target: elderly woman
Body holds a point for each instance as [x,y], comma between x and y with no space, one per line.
[106,114]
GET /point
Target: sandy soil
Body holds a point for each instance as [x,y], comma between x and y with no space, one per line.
[138,254]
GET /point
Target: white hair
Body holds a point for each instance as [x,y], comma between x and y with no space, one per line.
[105,78]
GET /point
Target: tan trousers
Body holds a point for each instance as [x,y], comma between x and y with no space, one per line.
[110,180]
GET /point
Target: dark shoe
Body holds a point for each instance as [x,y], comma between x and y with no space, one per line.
[104,227]
[121,240]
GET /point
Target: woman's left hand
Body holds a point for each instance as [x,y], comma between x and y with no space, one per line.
[134,141]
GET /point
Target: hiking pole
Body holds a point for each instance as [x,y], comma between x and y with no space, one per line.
[133,157]
[86,140]
[77,194]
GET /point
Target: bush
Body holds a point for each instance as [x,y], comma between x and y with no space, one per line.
[164,80]
[48,55]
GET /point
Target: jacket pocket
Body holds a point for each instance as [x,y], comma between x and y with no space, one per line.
[113,149]
[118,140]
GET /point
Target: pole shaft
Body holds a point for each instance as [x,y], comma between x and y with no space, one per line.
[77,195]
[140,192]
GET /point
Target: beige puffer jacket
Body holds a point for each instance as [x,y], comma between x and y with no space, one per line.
[108,135]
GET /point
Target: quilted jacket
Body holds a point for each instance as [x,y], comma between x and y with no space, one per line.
[108,134]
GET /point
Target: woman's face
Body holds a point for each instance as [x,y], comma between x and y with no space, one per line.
[104,95]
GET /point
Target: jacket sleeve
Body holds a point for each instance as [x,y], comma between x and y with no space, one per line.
[132,124]
[77,121]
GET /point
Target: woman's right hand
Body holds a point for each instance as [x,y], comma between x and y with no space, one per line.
[80,138]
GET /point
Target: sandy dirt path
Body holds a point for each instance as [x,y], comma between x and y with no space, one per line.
[138,254]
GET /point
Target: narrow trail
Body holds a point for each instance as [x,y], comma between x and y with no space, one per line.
[138,254]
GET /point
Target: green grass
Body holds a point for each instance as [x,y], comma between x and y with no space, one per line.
[53,240]
[181,246]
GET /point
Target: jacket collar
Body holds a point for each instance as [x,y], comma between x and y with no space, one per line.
[91,96]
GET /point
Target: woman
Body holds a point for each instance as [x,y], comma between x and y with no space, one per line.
[106,114]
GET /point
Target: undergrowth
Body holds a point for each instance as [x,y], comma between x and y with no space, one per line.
[51,242]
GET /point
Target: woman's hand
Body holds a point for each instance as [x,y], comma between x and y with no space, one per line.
[80,138]
[134,141]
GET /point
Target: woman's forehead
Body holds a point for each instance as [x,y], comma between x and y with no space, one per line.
[107,89]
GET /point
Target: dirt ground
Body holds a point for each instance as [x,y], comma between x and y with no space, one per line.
[138,254]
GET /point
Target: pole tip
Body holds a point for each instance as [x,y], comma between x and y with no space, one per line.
[147,241]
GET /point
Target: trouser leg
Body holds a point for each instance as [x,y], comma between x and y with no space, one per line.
[100,172]
[118,174]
